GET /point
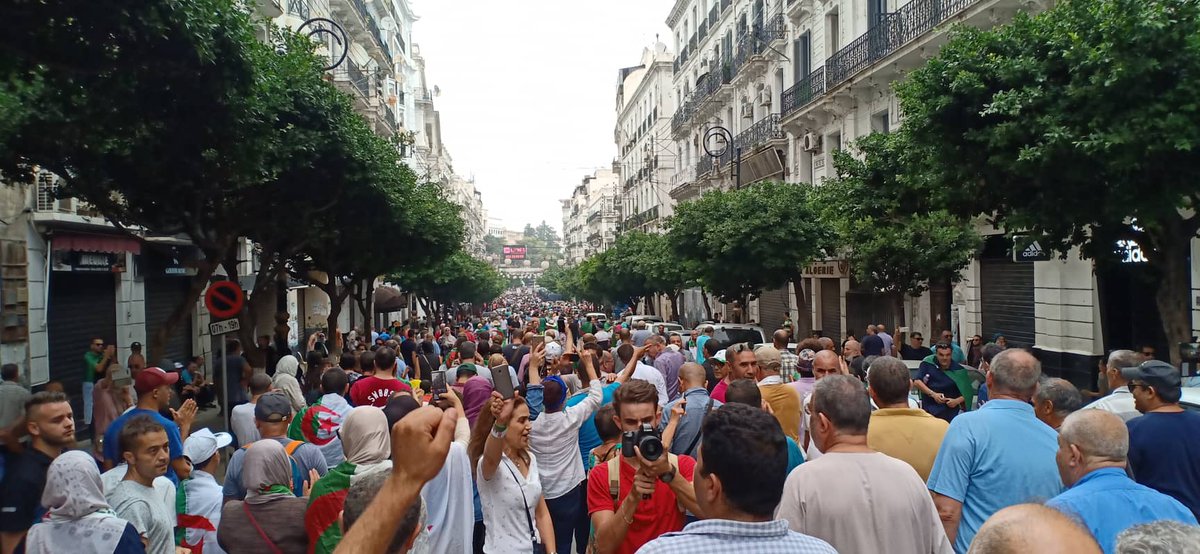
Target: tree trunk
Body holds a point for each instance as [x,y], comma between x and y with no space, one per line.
[675,307]
[803,313]
[1173,290]
[898,319]
[708,315]
[337,295]
[648,300]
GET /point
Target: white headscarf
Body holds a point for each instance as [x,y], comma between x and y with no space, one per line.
[285,380]
[79,520]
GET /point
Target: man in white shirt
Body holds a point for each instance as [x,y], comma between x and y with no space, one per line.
[200,496]
[241,419]
[1120,400]
[644,372]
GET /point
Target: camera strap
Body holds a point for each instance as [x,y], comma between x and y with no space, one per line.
[614,479]
[696,439]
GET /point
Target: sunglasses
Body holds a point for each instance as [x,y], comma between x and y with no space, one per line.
[1133,386]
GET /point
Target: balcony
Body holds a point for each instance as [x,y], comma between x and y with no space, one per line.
[755,42]
[763,131]
[725,5]
[804,92]
[300,9]
[358,79]
[713,15]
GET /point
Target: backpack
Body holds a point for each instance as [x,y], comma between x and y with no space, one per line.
[297,475]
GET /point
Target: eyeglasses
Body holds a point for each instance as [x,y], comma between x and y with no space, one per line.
[1133,386]
[918,338]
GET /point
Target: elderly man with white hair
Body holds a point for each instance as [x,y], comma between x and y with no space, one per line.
[1093,448]
[1120,400]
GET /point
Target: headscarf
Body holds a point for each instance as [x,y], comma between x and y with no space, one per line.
[365,438]
[562,395]
[285,380]
[476,392]
[266,472]
[79,520]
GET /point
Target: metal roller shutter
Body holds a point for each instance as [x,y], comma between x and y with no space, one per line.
[82,307]
[865,308]
[1006,298]
[831,307]
[163,294]
[773,309]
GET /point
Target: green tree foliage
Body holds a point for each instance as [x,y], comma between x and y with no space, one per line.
[456,279]
[742,242]
[1080,125]
[896,239]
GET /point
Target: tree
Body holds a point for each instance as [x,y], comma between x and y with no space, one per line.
[457,278]
[744,241]
[896,240]
[1079,125]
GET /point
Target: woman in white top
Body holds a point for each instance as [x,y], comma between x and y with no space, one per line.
[510,490]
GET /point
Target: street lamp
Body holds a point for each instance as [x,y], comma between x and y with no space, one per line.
[337,38]
[717,141]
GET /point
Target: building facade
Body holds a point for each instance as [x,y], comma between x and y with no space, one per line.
[647,156]
[591,216]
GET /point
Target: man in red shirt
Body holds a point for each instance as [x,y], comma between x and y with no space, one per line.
[377,389]
[741,364]
[661,490]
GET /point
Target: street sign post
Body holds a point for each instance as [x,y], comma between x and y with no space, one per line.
[224,299]
[222,327]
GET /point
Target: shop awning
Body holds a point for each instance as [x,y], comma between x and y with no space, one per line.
[388,299]
[112,244]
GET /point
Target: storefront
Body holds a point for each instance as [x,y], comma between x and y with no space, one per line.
[166,273]
[1006,293]
[84,273]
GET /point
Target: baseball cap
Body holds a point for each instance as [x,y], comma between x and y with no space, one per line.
[805,364]
[1161,375]
[719,356]
[768,357]
[553,350]
[153,377]
[467,369]
[178,365]
[273,407]
[202,444]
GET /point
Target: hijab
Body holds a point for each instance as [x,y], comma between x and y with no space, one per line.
[79,519]
[476,393]
[266,472]
[285,380]
[365,437]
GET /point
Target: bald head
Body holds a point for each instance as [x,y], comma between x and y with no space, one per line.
[1032,528]
[692,375]
[1015,372]
[780,339]
[826,362]
[852,348]
[1098,434]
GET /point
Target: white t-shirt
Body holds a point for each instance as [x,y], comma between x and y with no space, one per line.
[555,439]
[655,377]
[812,452]
[448,505]
[503,499]
[144,508]
[242,421]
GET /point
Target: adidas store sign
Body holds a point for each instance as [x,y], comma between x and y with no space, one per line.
[1031,252]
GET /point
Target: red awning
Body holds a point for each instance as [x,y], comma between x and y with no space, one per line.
[96,243]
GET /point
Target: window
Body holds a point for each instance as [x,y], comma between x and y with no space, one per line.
[880,122]
[802,56]
[832,33]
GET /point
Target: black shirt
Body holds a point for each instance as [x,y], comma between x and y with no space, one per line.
[919,353]
[407,349]
[21,491]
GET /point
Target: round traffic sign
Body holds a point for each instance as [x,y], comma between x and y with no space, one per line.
[224,299]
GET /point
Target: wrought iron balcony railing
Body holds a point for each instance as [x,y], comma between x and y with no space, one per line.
[300,8]
[763,130]
[713,15]
[726,4]
[804,92]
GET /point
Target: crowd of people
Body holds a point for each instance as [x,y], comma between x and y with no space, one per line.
[539,428]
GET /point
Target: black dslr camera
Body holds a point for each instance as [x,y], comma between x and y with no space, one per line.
[646,438]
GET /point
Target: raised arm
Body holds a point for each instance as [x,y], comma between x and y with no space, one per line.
[502,410]
[627,373]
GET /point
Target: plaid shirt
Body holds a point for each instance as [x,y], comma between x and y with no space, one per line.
[721,535]
[789,363]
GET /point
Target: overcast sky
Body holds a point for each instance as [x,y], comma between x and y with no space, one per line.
[528,91]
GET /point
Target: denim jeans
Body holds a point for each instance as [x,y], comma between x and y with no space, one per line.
[569,515]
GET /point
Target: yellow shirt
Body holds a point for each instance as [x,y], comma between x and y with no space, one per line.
[908,434]
[785,402]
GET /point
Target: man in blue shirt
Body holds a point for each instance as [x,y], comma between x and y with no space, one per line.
[154,389]
[697,403]
[996,456]
[1092,452]
[1164,442]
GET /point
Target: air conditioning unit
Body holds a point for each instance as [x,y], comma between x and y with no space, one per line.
[811,142]
[747,111]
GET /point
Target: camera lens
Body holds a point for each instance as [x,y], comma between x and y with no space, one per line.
[651,447]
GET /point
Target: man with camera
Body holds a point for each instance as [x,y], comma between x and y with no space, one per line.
[638,496]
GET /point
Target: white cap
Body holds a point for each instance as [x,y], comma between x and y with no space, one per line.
[202,444]
[553,350]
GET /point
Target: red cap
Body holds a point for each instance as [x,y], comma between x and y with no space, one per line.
[151,378]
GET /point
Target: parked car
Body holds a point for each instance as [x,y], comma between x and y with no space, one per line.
[600,318]
[732,333]
[628,321]
[1190,400]
[664,328]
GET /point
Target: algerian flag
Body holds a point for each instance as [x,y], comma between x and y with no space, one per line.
[326,500]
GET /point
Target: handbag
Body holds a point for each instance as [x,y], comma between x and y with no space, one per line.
[538,548]
[270,544]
